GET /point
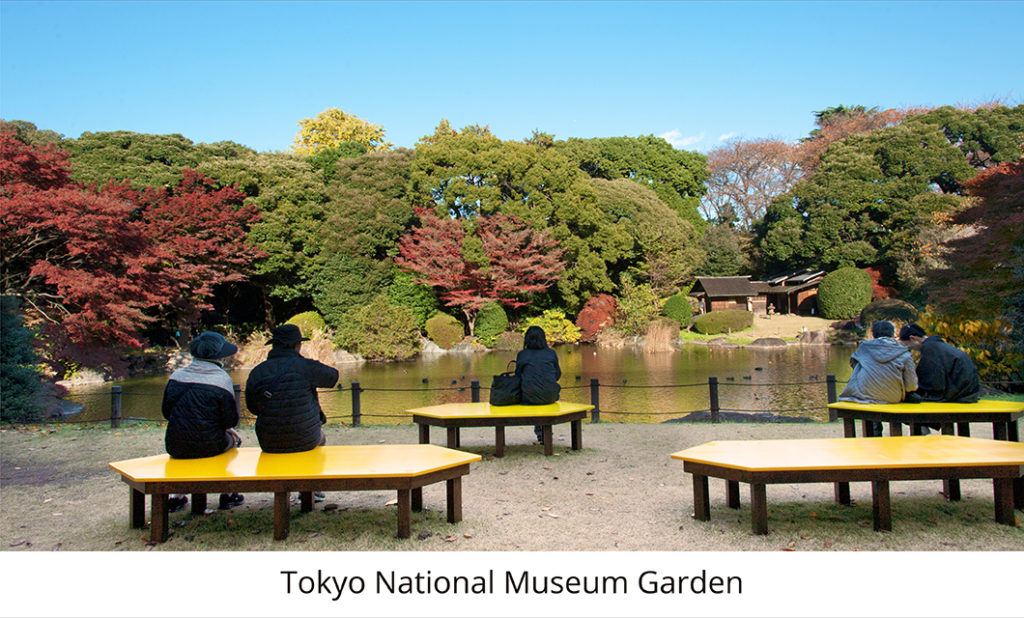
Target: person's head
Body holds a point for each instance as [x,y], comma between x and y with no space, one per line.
[287,336]
[883,328]
[211,346]
[912,336]
[534,339]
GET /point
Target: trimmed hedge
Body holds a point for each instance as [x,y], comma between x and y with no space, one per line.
[444,330]
[308,321]
[728,321]
[491,321]
[678,308]
[891,309]
[843,293]
[379,331]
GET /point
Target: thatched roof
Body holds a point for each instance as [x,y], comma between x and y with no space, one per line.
[719,287]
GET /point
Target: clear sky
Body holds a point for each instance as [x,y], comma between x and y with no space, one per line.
[693,72]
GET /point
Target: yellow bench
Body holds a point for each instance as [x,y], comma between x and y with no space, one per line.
[1002,414]
[879,460]
[453,416]
[402,467]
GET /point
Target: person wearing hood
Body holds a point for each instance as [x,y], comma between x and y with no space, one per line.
[883,370]
[199,405]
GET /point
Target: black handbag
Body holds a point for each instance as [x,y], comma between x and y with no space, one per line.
[506,388]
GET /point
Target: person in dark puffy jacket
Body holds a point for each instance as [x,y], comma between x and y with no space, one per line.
[281,393]
[537,367]
[199,405]
[944,372]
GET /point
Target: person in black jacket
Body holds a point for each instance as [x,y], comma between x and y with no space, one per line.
[944,372]
[199,405]
[537,367]
[281,393]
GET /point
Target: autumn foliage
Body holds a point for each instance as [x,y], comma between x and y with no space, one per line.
[516,261]
[95,267]
[598,313]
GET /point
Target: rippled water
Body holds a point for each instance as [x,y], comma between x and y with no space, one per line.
[634,386]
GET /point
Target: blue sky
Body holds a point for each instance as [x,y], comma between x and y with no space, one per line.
[693,72]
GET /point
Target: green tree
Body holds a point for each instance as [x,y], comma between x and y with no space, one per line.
[843,293]
[418,298]
[637,306]
[676,176]
[379,331]
[332,128]
[726,252]
[987,136]
[19,379]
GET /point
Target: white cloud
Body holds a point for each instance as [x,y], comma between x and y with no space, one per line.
[677,140]
[725,136]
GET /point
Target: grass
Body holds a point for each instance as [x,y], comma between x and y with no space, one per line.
[621,492]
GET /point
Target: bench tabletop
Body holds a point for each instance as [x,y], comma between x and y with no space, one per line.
[482,409]
[982,406]
[346,461]
[855,453]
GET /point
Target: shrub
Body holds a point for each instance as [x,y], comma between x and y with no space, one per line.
[308,322]
[843,293]
[20,383]
[557,328]
[638,305]
[986,341]
[491,321]
[444,330]
[598,313]
[419,298]
[678,308]
[728,321]
[661,332]
[379,331]
[892,309]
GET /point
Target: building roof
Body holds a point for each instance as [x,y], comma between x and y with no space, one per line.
[718,287]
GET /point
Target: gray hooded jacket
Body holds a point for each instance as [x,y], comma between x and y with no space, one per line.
[883,372]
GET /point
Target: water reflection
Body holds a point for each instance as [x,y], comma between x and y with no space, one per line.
[789,381]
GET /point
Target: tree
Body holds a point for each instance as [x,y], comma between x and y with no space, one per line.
[987,136]
[676,176]
[20,381]
[726,252]
[515,261]
[332,128]
[744,177]
[838,123]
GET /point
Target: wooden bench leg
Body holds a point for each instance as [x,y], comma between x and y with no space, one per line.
[198,504]
[549,445]
[881,510]
[281,515]
[963,429]
[842,490]
[158,519]
[576,429]
[305,501]
[454,490]
[732,494]
[895,429]
[499,441]
[453,437]
[867,429]
[1003,489]
[136,508]
[950,487]
[417,499]
[404,512]
[701,503]
[758,508]
[1018,493]
[424,434]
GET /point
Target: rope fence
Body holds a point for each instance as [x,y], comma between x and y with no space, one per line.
[713,386]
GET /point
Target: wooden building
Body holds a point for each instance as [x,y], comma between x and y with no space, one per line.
[792,292]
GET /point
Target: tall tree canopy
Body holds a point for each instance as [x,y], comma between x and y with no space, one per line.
[332,128]
[745,176]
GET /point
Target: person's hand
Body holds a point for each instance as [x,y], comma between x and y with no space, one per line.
[237,438]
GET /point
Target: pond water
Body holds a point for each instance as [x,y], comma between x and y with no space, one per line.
[634,386]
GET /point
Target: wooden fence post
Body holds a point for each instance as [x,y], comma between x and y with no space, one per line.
[713,398]
[474,389]
[595,400]
[357,412]
[115,407]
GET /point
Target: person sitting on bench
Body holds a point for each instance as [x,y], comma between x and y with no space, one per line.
[883,370]
[944,372]
[199,404]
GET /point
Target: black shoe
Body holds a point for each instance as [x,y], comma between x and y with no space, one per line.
[228,501]
[176,503]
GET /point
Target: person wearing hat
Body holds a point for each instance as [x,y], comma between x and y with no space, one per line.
[944,372]
[281,393]
[199,405]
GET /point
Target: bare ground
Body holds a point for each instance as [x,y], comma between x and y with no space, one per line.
[621,492]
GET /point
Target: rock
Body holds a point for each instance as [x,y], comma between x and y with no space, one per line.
[429,348]
[814,337]
[768,342]
[342,357]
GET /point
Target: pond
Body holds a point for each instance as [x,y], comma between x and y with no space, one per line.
[634,386]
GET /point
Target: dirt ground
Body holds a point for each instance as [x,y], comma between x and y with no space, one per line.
[787,325]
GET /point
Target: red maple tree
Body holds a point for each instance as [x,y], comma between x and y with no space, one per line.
[518,261]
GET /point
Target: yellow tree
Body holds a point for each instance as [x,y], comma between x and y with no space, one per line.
[333,127]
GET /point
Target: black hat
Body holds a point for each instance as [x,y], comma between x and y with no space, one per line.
[211,346]
[909,330]
[287,334]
